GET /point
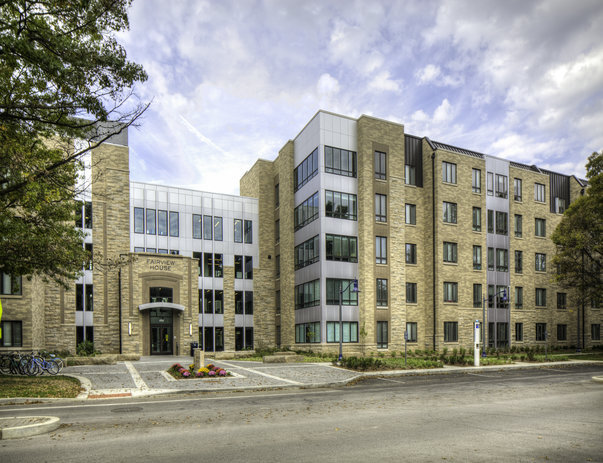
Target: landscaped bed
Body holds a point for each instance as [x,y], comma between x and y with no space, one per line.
[208,371]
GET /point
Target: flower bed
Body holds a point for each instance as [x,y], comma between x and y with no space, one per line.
[208,371]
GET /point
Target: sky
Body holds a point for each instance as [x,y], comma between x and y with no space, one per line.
[232,81]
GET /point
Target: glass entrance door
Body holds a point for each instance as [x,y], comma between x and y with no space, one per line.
[161,332]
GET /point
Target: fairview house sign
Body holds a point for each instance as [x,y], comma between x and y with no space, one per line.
[161,265]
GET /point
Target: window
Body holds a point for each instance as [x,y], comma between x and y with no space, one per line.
[449,212]
[248,268]
[197,226]
[490,258]
[207,227]
[450,292]
[450,252]
[490,185]
[561,332]
[559,205]
[350,331]
[540,262]
[476,180]
[247,231]
[411,253]
[381,292]
[307,332]
[477,295]
[306,170]
[161,294]
[477,219]
[410,175]
[519,331]
[238,230]
[381,249]
[477,257]
[562,300]
[151,230]
[306,212]
[162,224]
[518,226]
[160,251]
[138,249]
[541,332]
[518,261]
[339,161]
[595,332]
[174,252]
[502,227]
[307,252]
[502,297]
[341,248]
[448,172]
[239,302]
[84,303]
[518,297]
[238,267]
[380,165]
[88,214]
[218,228]
[10,285]
[138,220]
[208,264]
[490,221]
[209,301]
[501,186]
[248,302]
[380,208]
[382,335]
[218,266]
[410,216]
[540,227]
[199,256]
[502,260]
[277,198]
[307,294]
[517,189]
[340,205]
[411,329]
[411,293]
[540,297]
[539,192]
[491,293]
[174,225]
[451,331]
[12,334]
[348,297]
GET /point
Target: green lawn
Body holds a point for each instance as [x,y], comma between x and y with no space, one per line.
[38,386]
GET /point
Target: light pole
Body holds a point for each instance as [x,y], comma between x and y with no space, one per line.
[504,298]
[354,284]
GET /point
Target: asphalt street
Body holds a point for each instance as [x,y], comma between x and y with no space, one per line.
[552,414]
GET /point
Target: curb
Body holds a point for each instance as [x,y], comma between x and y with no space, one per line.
[19,427]
[598,379]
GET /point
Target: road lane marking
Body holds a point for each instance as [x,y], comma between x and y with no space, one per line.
[138,381]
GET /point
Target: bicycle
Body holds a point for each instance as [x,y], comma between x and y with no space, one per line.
[41,365]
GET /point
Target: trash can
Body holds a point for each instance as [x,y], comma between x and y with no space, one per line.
[194,345]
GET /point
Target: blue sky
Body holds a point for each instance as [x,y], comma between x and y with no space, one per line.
[232,80]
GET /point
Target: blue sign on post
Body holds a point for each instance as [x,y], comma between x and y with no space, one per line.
[355,286]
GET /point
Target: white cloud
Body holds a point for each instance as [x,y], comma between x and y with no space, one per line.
[428,74]
[327,85]
[383,82]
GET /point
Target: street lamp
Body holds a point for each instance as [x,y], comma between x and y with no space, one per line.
[354,284]
[504,298]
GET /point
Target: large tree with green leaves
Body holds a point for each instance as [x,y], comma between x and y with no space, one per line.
[579,240]
[62,76]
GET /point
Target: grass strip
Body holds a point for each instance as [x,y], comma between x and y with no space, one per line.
[62,387]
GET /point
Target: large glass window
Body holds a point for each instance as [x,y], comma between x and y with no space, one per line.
[561,332]
[562,301]
[490,221]
[519,331]
[10,285]
[151,229]
[451,331]
[448,172]
[248,268]
[12,334]
[197,226]
[477,219]
[209,301]
[450,252]
[307,294]
[341,248]
[411,293]
[539,192]
[490,183]
[247,231]
[381,249]
[208,264]
[381,292]
[451,291]
[540,331]
[84,303]
[348,297]
[307,332]
[380,165]
[502,227]
[238,267]
[218,228]
[218,266]
[174,224]
[277,198]
[518,297]
[540,262]
[477,257]
[476,180]
[248,302]
[162,224]
[540,227]
[540,297]
[138,220]
[517,189]
[491,259]
[238,230]
[307,252]
[306,212]
[518,261]
[161,294]
[411,329]
[410,214]
[518,226]
[449,212]
[306,170]
[560,205]
[477,295]
[411,253]
[595,332]
[207,227]
[380,208]
[339,161]
[410,175]
[502,260]
[350,331]
[340,205]
[88,214]
[382,335]
[239,302]
[501,186]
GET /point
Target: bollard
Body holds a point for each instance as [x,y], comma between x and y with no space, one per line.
[199,358]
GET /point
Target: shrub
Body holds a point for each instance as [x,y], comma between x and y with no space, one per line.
[85,349]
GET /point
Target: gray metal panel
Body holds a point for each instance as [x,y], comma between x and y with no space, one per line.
[559,188]
[413,156]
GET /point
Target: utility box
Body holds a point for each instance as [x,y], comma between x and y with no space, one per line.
[476,342]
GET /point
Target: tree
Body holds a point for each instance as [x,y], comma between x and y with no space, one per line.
[63,76]
[579,240]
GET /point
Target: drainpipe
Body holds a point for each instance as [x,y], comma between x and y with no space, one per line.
[119,305]
[433,234]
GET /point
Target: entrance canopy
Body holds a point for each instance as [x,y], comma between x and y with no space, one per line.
[161,305]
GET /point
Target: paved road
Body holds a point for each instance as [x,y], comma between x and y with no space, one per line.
[530,415]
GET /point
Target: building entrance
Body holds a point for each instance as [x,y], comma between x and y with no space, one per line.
[161,332]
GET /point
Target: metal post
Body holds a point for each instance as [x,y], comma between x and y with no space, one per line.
[340,324]
[483,326]
[405,341]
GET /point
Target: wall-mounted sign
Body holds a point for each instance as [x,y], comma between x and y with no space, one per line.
[161,264]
